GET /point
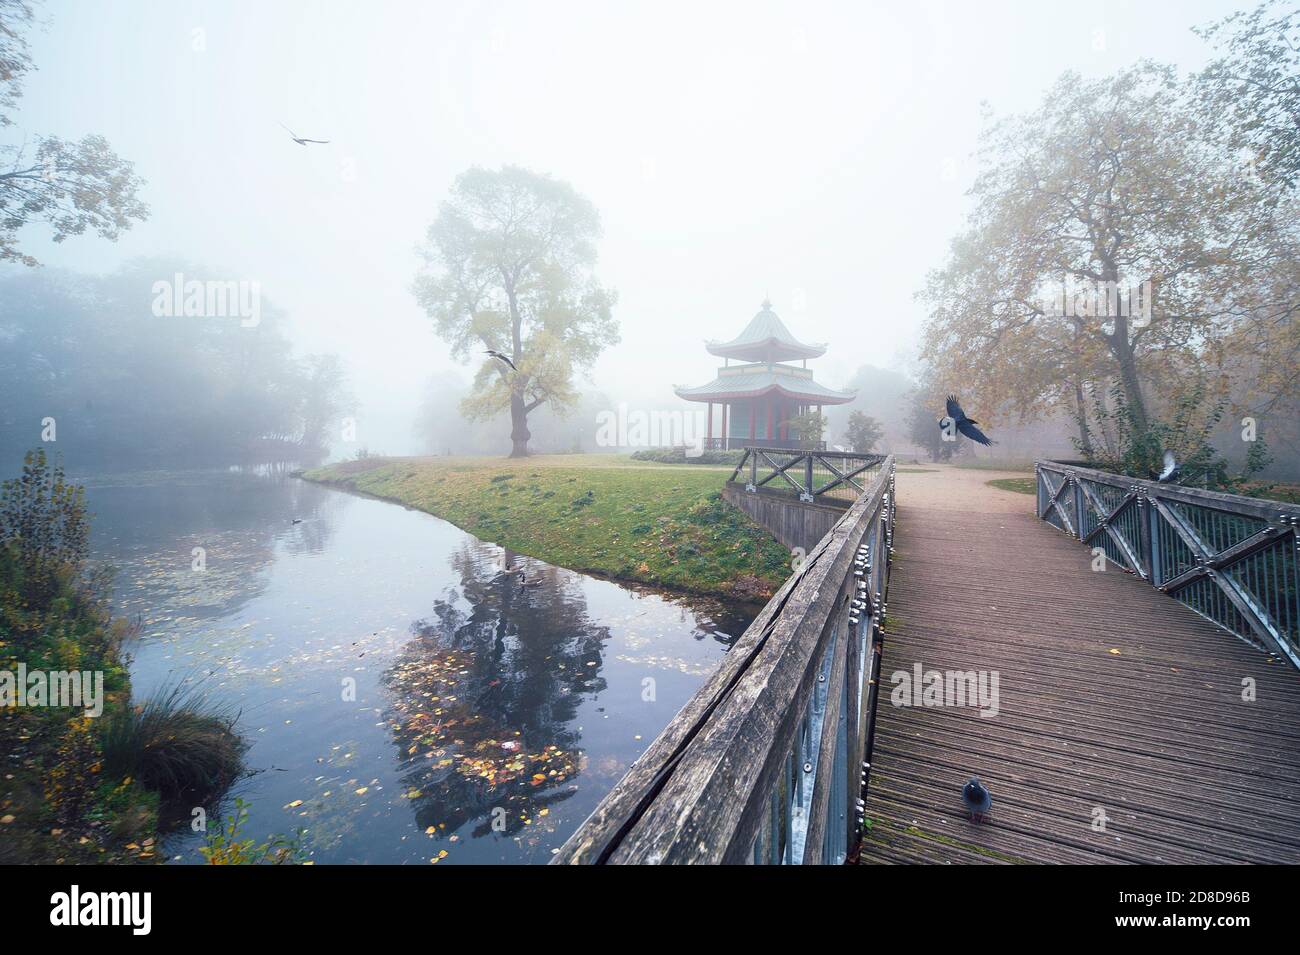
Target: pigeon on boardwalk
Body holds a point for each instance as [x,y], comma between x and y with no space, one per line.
[977,799]
[1172,472]
[965,425]
[500,357]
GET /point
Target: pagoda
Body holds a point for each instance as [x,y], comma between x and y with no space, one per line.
[762,395]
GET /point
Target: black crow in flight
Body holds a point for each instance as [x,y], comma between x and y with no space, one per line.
[963,424]
[500,357]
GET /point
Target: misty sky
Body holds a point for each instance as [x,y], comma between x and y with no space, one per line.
[803,150]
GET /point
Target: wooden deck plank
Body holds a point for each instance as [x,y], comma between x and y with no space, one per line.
[1156,734]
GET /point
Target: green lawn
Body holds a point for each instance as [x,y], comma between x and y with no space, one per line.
[1025,485]
[599,513]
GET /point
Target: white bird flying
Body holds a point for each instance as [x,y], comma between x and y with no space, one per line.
[299,139]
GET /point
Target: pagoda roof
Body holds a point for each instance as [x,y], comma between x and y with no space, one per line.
[755,383]
[765,338]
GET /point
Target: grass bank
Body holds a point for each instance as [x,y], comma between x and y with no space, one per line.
[1026,485]
[85,777]
[605,514]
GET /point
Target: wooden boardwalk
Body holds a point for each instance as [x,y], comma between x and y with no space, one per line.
[1112,698]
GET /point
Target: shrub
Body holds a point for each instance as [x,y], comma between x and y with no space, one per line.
[44,532]
[1120,445]
[224,847]
[678,456]
[176,743]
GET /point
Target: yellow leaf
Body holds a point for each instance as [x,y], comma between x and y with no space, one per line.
[1114,651]
[363,790]
[294,805]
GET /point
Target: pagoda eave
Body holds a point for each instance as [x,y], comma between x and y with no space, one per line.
[811,398]
[769,350]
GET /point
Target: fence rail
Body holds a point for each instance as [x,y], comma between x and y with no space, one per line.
[830,477]
[735,443]
[1234,560]
[768,762]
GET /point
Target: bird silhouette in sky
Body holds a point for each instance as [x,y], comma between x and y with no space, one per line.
[1171,472]
[977,799]
[957,418]
[500,357]
[299,139]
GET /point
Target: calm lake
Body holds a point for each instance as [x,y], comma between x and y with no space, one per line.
[406,698]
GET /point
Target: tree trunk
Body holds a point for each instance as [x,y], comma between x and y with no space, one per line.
[1128,374]
[519,433]
[1081,418]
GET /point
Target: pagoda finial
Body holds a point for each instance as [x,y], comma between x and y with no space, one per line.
[767,304]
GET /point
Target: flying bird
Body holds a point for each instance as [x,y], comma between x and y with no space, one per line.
[1172,472]
[957,417]
[300,140]
[500,357]
[977,799]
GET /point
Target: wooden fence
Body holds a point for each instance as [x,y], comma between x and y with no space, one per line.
[768,762]
[827,477]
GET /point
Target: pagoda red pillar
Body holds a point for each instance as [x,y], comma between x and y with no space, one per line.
[710,425]
[726,406]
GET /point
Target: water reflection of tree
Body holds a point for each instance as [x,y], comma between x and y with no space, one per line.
[484,698]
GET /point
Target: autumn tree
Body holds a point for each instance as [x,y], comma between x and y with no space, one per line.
[810,428]
[68,186]
[864,432]
[1251,91]
[1110,184]
[508,268]
[1249,96]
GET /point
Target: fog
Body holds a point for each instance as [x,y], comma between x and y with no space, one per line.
[816,154]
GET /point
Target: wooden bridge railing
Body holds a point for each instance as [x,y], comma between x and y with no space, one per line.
[829,477]
[768,762]
[1234,560]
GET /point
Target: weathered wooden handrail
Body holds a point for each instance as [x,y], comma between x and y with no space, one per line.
[1234,560]
[768,761]
[836,477]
